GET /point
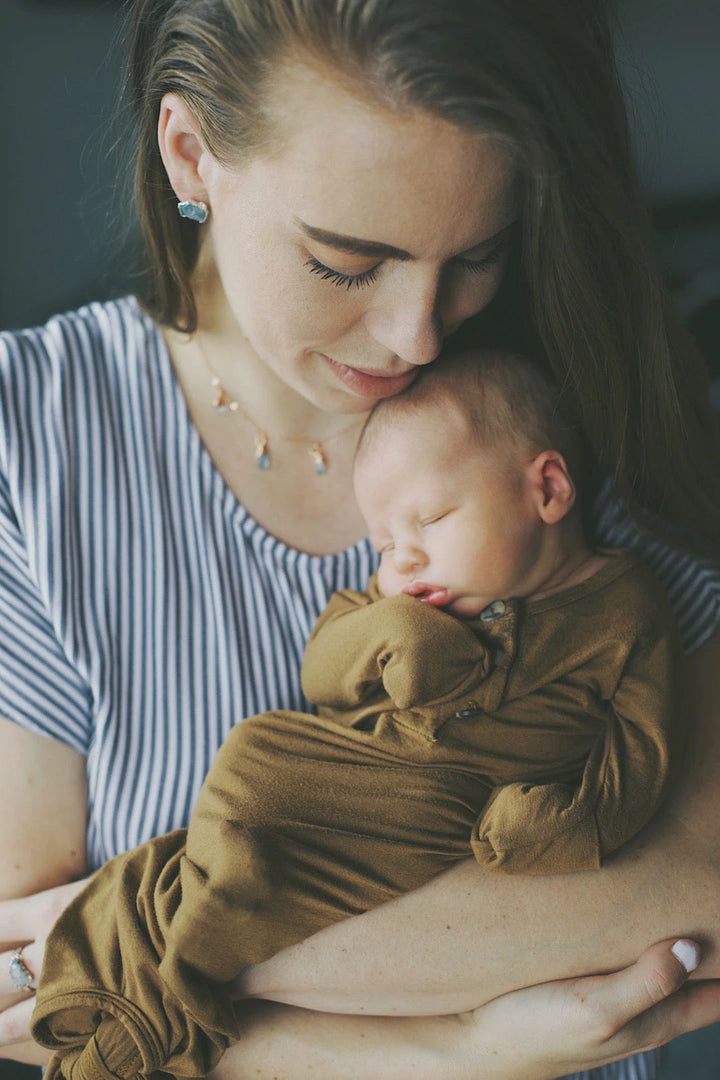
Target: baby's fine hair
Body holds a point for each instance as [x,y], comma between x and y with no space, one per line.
[504,396]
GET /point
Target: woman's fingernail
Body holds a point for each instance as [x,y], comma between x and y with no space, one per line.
[688,953]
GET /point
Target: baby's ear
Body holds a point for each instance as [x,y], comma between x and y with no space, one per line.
[552,487]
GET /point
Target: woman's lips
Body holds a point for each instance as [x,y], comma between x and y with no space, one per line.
[436,595]
[368,385]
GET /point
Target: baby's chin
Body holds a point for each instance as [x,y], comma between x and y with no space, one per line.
[465,607]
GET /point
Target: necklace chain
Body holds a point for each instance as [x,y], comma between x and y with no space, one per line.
[222,402]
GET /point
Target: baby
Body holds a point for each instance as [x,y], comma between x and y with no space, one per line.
[501,690]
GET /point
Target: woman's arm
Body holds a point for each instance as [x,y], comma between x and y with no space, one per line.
[533,1034]
[470,935]
[42,844]
[43,799]
[488,1043]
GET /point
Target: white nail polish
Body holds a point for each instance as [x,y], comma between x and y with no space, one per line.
[687,953]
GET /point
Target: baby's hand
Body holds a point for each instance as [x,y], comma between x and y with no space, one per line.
[536,828]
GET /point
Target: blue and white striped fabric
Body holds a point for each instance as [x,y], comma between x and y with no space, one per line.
[144,612]
[640,1067]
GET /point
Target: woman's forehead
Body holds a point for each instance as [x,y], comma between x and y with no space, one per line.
[363,170]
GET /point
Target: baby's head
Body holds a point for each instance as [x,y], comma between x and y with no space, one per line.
[465,482]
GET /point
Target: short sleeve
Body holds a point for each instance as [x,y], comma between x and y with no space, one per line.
[692,584]
[39,688]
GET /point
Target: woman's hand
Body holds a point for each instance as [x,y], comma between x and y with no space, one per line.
[26,921]
[43,797]
[538,1033]
[557,1028]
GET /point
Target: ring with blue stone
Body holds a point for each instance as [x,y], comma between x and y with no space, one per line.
[20,974]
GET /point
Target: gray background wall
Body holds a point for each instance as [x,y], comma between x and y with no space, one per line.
[62,214]
[63,217]
[670,55]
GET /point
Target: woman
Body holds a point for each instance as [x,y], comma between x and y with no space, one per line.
[357,181]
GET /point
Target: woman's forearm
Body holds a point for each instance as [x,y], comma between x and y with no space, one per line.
[470,934]
[278,1041]
[533,1034]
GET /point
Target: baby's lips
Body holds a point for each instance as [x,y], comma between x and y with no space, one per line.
[436,595]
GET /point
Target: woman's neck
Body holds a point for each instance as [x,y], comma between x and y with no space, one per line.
[224,353]
[313,512]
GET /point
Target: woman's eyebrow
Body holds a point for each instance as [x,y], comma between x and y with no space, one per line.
[353,245]
[496,238]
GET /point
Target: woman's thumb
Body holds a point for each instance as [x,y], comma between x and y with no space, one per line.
[658,973]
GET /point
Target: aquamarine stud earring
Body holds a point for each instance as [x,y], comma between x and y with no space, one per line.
[193,211]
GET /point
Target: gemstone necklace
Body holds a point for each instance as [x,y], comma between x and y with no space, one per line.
[222,403]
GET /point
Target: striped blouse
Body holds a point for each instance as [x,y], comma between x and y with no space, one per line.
[144,612]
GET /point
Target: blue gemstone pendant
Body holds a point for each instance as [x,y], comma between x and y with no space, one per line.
[319,460]
[262,451]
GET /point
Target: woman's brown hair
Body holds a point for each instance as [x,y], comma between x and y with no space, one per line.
[539,76]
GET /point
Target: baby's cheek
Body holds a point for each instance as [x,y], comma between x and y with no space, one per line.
[388,580]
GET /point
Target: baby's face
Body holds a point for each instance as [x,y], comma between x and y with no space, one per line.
[454,523]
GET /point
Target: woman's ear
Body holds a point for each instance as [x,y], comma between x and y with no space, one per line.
[181,147]
[552,487]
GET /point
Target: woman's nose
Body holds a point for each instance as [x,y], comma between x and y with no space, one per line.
[408,322]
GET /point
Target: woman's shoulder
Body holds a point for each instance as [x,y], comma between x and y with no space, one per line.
[96,335]
[77,368]
[692,584]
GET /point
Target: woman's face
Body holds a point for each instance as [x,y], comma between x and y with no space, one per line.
[348,253]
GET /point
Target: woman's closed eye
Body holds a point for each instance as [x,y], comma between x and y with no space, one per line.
[339,278]
[482,266]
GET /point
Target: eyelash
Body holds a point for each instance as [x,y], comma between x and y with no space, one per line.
[481,266]
[361,281]
[387,548]
[340,280]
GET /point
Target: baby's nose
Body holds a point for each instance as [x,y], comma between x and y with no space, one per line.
[408,559]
